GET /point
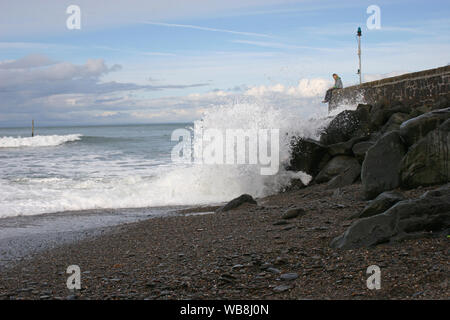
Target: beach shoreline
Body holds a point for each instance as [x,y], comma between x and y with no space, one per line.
[22,237]
[245,253]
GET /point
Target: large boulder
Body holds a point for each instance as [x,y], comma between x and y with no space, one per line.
[381,167]
[395,121]
[360,149]
[381,113]
[380,204]
[428,161]
[408,218]
[345,178]
[416,128]
[336,166]
[308,155]
[347,125]
[236,202]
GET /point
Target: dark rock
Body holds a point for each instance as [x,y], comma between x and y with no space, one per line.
[380,204]
[266,265]
[346,177]
[360,149]
[378,116]
[395,121]
[233,204]
[346,125]
[308,156]
[428,161]
[419,110]
[282,288]
[293,213]
[345,148]
[416,128]
[273,270]
[280,223]
[381,167]
[382,112]
[442,103]
[237,266]
[289,276]
[416,217]
[336,166]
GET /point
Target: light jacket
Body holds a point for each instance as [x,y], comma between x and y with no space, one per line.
[338,83]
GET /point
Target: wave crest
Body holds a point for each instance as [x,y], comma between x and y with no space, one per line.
[38,141]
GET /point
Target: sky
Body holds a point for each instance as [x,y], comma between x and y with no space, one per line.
[148,61]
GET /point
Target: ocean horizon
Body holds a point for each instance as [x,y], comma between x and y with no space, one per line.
[75,168]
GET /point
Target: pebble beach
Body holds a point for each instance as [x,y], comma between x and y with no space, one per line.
[246,253]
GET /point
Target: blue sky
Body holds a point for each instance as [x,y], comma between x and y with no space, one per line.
[141,61]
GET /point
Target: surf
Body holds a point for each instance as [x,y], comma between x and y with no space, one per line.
[38,141]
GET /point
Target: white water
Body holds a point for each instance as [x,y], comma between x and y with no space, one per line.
[37,141]
[96,173]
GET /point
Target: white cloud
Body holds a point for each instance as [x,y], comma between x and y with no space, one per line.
[306,88]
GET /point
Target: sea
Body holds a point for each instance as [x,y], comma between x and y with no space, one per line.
[72,178]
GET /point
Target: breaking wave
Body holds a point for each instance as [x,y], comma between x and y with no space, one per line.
[38,141]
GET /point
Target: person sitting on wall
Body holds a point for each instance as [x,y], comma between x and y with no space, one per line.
[337,85]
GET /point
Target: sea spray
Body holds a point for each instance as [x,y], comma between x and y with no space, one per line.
[130,167]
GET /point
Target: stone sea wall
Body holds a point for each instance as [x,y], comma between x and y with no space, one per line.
[418,88]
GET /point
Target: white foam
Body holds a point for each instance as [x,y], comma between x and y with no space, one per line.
[37,141]
[106,184]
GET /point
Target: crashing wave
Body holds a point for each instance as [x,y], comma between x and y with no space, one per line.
[38,141]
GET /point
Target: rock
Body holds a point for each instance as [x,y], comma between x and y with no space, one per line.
[415,217]
[395,121]
[280,223]
[233,204]
[237,266]
[419,110]
[381,167]
[282,288]
[428,161]
[308,156]
[380,204]
[378,116]
[289,276]
[345,148]
[345,126]
[345,178]
[382,112]
[266,265]
[293,213]
[336,166]
[442,103]
[273,270]
[416,128]
[360,149]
